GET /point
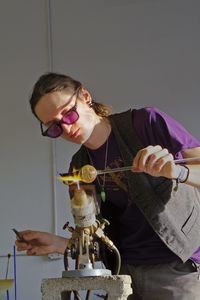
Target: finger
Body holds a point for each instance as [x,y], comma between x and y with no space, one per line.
[142,157]
[30,235]
[161,162]
[155,159]
[25,231]
[31,252]
[35,251]
[23,235]
[146,156]
[22,246]
[137,158]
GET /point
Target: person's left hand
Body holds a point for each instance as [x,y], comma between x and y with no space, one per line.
[156,161]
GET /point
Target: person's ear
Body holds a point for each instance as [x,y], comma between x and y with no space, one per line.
[85,95]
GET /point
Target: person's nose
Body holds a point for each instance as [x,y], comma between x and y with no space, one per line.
[66,128]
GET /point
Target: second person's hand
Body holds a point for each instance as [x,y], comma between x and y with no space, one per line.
[40,243]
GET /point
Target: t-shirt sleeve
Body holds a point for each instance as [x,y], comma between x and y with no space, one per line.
[154,127]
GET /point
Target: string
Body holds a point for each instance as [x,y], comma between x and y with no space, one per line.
[102,186]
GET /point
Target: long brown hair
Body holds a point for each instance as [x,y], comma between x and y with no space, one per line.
[53,82]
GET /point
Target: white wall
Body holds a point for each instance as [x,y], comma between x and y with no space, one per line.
[128,53]
[25,159]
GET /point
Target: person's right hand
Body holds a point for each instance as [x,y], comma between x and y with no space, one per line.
[40,243]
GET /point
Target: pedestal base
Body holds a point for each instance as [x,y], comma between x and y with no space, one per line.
[118,287]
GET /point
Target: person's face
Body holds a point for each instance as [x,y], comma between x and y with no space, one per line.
[53,106]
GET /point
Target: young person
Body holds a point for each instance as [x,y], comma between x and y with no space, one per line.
[154,210]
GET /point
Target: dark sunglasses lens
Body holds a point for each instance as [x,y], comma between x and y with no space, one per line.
[70,117]
[54,131]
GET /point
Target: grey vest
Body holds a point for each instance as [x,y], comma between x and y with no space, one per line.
[174,216]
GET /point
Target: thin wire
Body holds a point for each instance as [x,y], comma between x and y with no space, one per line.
[17,254]
[105,165]
[7,268]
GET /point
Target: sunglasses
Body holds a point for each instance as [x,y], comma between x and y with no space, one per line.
[55,129]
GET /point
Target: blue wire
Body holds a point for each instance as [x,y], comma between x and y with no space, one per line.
[15,272]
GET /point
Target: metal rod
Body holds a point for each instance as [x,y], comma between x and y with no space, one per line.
[128,168]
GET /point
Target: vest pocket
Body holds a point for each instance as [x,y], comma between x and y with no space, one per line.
[187,226]
[179,267]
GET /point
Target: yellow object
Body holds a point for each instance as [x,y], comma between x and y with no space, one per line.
[86,174]
[6,284]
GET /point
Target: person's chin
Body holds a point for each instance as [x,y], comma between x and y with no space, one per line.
[78,140]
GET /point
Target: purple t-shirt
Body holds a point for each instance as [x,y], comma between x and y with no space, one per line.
[157,128]
[134,237]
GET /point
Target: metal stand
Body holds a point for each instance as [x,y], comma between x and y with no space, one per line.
[86,273]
